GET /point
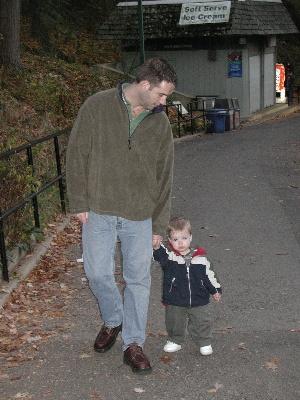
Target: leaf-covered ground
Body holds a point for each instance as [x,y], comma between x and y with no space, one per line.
[36,309]
[49,323]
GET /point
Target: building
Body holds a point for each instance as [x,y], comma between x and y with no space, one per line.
[218,48]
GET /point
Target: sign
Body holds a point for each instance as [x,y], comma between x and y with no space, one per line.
[156,2]
[235,66]
[280,77]
[205,13]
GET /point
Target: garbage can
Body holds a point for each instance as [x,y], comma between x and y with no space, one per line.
[215,120]
[227,105]
[229,120]
[236,115]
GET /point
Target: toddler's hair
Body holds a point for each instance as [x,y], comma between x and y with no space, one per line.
[179,224]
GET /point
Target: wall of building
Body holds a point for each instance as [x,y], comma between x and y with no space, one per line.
[269,76]
[262,75]
[205,73]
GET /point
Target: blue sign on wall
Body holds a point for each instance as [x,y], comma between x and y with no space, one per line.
[235,66]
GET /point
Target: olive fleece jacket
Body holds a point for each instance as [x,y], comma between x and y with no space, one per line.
[107,176]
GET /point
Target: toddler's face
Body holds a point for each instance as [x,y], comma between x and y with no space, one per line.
[181,241]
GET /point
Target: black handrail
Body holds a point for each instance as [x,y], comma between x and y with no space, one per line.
[187,118]
[33,196]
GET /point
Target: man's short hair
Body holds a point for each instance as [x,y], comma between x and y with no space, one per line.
[179,224]
[155,70]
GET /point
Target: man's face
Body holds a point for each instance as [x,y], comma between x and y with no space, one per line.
[153,96]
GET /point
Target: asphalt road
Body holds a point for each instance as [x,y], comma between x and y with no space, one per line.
[242,192]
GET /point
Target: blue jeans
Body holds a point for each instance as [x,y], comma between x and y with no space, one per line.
[99,237]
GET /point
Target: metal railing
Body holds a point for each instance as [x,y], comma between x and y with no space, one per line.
[182,119]
[296,95]
[33,196]
[178,117]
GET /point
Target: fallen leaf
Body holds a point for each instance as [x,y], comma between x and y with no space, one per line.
[215,389]
[95,396]
[16,378]
[55,314]
[212,390]
[165,359]
[226,329]
[84,355]
[24,395]
[272,364]
[13,331]
[138,390]
[150,334]
[295,330]
[34,338]
[63,286]
[162,333]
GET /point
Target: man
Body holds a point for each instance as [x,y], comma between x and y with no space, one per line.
[119,178]
[289,85]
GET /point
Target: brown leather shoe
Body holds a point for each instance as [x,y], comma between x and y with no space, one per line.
[136,359]
[106,338]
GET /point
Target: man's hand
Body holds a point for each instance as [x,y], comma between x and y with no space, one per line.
[217,296]
[156,241]
[83,217]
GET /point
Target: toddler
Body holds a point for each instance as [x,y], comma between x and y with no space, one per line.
[188,282]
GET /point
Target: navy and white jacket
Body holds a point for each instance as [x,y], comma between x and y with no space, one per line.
[186,284]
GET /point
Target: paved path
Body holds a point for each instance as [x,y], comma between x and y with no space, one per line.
[242,192]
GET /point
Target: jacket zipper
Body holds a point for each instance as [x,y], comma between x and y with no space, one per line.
[129,135]
[189,282]
[171,287]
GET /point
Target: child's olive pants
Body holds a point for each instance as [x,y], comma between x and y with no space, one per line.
[195,320]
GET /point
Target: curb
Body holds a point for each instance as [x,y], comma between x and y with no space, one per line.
[271,114]
[28,263]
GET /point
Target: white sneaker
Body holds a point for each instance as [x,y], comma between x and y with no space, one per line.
[171,347]
[206,350]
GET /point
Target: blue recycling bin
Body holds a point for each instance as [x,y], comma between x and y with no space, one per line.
[216,120]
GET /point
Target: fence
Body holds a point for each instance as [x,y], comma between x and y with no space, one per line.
[296,95]
[187,118]
[178,116]
[33,196]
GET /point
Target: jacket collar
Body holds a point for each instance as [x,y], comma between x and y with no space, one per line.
[155,110]
[199,251]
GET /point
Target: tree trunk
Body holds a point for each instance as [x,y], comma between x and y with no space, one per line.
[10,11]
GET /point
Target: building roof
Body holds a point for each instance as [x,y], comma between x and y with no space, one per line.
[248,17]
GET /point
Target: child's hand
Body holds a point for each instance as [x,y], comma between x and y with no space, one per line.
[217,296]
[156,241]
